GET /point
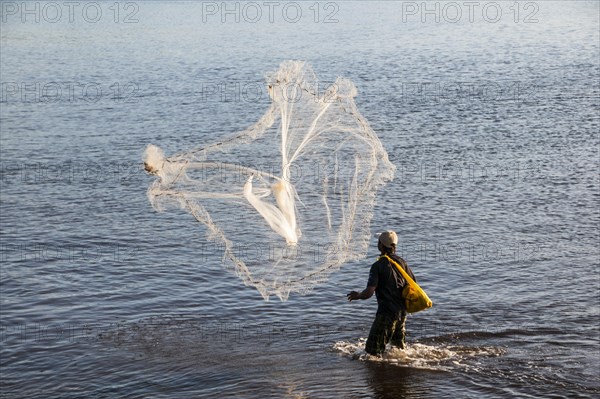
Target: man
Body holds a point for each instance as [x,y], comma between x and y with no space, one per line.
[387,283]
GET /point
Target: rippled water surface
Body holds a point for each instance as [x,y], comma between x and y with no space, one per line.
[492,124]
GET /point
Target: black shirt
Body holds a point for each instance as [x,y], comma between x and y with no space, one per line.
[389,283]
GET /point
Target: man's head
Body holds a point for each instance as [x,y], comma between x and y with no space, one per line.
[387,242]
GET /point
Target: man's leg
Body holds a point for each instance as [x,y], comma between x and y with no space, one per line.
[380,334]
[399,336]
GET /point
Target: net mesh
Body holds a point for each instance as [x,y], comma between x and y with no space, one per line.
[290,199]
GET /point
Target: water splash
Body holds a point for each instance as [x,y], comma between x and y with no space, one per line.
[418,355]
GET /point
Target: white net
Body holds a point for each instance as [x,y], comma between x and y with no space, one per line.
[290,199]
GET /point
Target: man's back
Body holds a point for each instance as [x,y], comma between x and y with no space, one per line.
[389,283]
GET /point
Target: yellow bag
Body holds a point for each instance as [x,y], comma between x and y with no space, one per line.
[415,298]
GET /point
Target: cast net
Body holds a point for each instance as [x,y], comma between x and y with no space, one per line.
[290,199]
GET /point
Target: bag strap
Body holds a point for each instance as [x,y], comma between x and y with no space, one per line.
[408,279]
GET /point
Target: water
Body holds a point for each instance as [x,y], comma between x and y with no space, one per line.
[493,128]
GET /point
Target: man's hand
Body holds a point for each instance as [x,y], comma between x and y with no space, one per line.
[366,294]
[353,295]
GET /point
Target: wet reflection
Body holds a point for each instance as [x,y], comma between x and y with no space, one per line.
[392,382]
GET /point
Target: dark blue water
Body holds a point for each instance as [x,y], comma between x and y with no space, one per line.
[492,122]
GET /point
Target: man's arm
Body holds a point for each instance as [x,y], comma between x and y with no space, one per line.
[365,294]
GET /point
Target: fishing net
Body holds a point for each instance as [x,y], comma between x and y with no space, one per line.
[290,199]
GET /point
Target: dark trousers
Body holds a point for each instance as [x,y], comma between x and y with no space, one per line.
[386,328]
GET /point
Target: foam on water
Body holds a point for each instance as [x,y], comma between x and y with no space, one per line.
[417,355]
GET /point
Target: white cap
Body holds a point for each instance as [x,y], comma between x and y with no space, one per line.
[387,238]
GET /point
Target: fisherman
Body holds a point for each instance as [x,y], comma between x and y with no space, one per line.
[387,283]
